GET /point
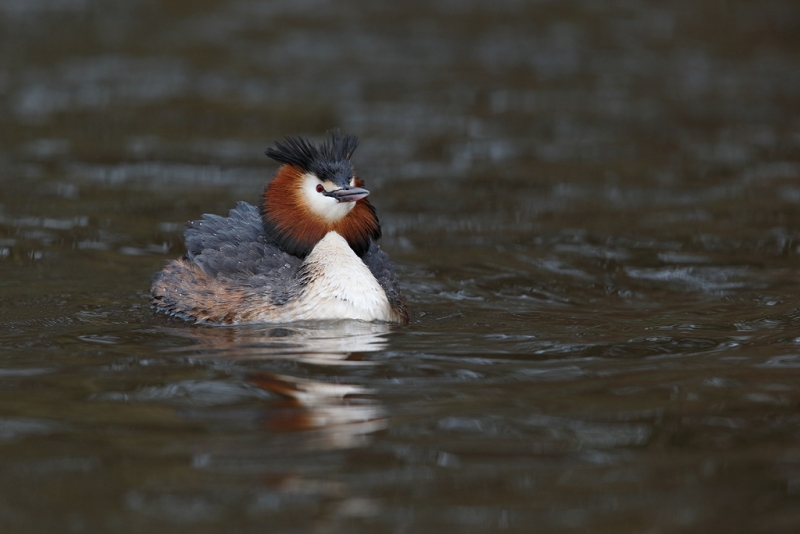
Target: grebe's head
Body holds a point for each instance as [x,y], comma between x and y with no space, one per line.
[316,191]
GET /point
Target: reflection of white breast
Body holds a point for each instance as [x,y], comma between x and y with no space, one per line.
[341,286]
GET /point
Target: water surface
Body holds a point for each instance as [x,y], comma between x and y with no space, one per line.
[594,212]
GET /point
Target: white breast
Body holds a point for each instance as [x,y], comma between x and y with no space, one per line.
[341,286]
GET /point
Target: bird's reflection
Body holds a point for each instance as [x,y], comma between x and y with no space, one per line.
[301,422]
[325,413]
[337,415]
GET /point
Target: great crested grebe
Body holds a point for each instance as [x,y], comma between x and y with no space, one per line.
[308,252]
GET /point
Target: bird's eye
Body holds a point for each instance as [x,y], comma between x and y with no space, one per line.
[320,189]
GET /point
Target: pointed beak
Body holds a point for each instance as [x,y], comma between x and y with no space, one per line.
[348,194]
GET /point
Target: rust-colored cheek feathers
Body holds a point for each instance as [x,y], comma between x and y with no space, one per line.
[295,229]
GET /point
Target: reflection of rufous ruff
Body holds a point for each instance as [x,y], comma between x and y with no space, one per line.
[306,392]
[339,413]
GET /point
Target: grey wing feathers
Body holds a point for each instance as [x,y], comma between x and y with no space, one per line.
[236,248]
[382,269]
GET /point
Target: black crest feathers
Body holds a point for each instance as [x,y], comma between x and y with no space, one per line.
[328,160]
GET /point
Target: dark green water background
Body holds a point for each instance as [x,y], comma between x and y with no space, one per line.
[594,208]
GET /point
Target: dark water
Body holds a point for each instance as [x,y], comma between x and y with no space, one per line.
[594,211]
